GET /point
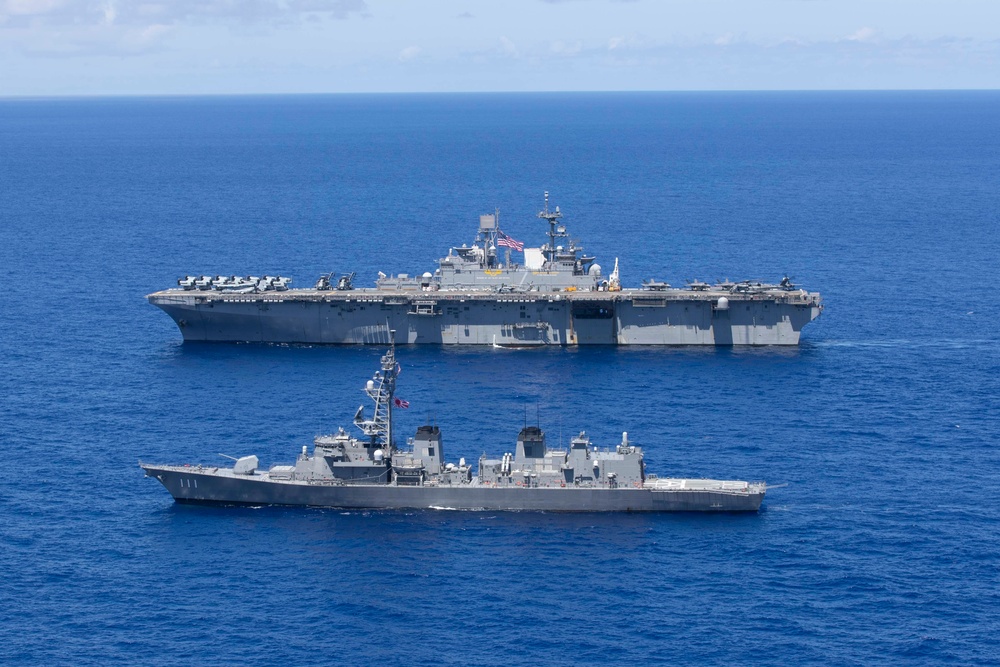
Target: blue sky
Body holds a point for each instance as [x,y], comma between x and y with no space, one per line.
[96,47]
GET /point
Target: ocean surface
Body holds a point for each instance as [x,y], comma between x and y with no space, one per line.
[883,548]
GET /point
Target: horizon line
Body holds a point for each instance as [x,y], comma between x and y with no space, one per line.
[81,96]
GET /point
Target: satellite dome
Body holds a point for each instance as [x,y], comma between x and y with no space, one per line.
[722,304]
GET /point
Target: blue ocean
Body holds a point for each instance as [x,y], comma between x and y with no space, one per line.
[884,547]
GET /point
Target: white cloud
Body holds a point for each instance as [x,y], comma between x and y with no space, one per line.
[508,47]
[80,13]
[861,35]
[338,9]
[153,32]
[128,27]
[792,41]
[29,7]
[409,53]
[768,63]
[561,48]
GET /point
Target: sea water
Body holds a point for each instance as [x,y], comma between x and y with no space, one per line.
[883,422]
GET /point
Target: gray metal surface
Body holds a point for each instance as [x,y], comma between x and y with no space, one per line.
[371,472]
[194,485]
[557,295]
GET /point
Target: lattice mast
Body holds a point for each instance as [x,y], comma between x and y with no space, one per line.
[381,389]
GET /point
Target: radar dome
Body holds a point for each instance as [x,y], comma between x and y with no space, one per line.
[378,455]
[371,385]
[595,269]
[723,304]
[428,275]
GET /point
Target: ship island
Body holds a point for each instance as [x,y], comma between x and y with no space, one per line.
[554,294]
[371,472]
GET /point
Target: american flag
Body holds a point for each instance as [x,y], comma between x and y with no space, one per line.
[504,240]
[400,403]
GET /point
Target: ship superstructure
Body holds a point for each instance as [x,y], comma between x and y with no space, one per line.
[554,294]
[371,472]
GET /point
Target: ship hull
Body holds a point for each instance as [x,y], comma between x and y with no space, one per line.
[208,486]
[366,317]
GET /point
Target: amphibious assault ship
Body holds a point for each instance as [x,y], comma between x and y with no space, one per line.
[372,473]
[555,295]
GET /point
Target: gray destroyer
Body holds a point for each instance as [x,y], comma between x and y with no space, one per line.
[371,473]
[555,295]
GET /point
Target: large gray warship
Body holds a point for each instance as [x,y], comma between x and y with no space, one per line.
[371,473]
[557,295]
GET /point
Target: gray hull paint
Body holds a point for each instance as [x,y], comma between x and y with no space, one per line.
[365,316]
[191,485]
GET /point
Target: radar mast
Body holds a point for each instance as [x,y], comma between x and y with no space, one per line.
[381,389]
[552,217]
